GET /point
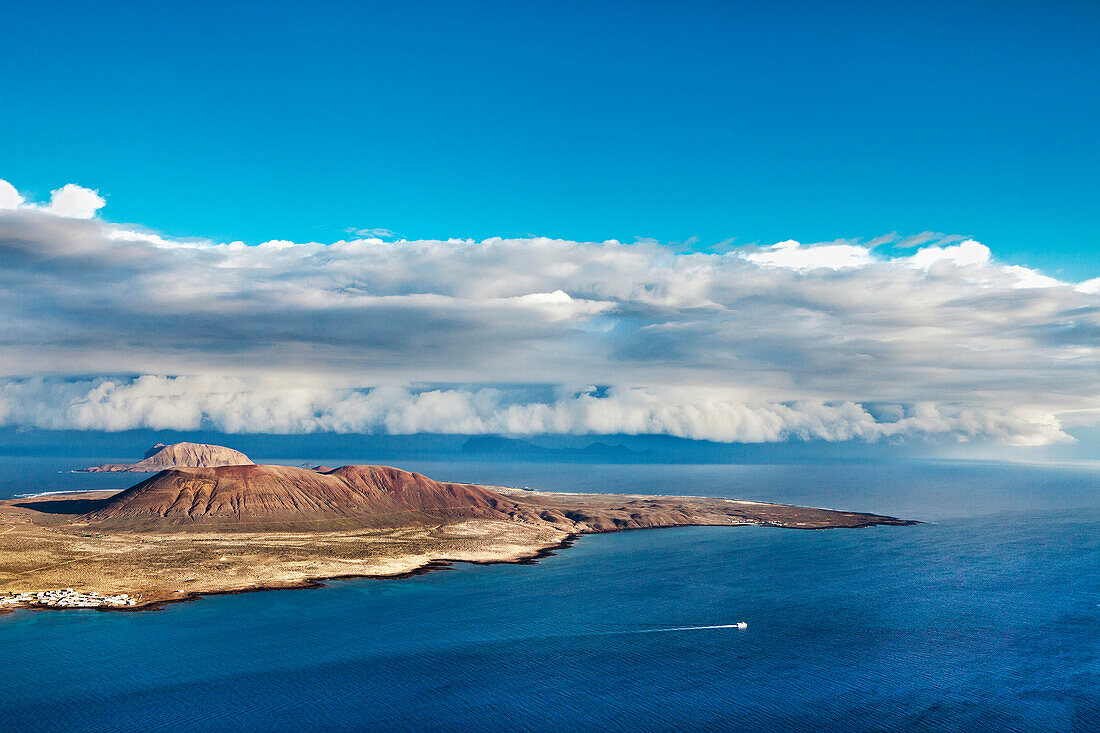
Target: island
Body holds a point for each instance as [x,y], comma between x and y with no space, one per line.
[192,531]
[162,456]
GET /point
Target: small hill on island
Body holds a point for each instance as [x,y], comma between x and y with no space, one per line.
[161,456]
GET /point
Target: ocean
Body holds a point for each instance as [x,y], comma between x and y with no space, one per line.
[986,618]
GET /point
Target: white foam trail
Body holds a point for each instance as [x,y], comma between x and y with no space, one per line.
[680,628]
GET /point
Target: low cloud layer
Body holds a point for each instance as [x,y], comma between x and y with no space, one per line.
[241,405]
[836,341]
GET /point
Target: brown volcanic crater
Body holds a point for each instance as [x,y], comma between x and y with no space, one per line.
[285,495]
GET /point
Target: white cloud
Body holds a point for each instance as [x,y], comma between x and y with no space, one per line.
[373,233]
[1092,287]
[749,344]
[795,256]
[269,405]
[9,197]
[1028,278]
[559,306]
[964,254]
[70,201]
[75,202]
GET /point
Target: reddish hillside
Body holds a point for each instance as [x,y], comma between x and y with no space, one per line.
[371,495]
[266,498]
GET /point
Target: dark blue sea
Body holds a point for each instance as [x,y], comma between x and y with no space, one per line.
[987,618]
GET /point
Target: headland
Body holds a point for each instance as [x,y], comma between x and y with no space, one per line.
[193,531]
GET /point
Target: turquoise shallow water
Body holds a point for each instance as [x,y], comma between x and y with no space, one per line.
[986,618]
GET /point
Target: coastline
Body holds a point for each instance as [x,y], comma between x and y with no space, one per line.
[429,566]
[47,543]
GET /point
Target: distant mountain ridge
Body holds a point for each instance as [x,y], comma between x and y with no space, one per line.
[161,456]
[495,444]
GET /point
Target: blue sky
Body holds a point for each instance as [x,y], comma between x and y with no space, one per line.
[735,223]
[584,121]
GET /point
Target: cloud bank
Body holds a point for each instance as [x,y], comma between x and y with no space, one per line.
[831,341]
[267,405]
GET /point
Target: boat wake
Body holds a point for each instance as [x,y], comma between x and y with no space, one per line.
[739,625]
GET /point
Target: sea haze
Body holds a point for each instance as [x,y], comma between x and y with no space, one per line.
[984,618]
